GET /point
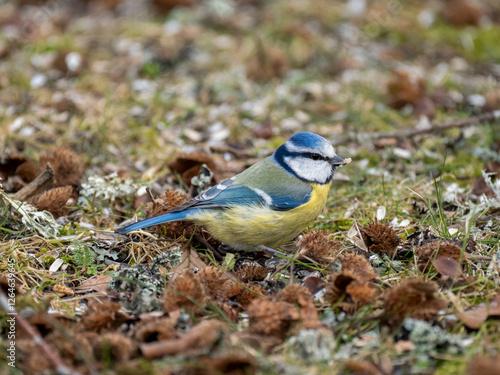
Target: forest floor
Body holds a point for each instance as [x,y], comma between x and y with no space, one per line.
[110,108]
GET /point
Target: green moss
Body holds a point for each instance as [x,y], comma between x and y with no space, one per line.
[60,43]
[151,69]
[451,367]
[48,260]
[483,44]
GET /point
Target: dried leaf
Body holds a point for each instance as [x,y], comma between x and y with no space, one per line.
[98,283]
[431,250]
[155,330]
[475,318]
[484,365]
[357,367]
[492,102]
[404,346]
[463,12]
[354,235]
[405,87]
[202,336]
[267,63]
[449,267]
[264,130]
[190,259]
[165,6]
[189,165]
[314,284]
[424,107]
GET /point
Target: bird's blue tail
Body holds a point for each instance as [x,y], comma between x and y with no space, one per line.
[165,218]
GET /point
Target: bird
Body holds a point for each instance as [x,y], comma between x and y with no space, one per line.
[266,205]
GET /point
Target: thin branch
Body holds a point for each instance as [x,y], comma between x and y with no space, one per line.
[150,195]
[39,184]
[436,128]
[56,361]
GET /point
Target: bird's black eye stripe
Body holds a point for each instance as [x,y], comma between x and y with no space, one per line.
[315,156]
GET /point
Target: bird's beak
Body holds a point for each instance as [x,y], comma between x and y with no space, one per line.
[336,161]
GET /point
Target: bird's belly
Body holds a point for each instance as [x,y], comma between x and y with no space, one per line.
[244,227]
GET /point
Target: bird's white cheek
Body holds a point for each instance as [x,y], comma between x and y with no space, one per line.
[319,171]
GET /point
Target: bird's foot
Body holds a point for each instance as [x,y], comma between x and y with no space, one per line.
[223,249]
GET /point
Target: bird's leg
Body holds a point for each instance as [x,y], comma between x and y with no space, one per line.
[223,248]
[271,250]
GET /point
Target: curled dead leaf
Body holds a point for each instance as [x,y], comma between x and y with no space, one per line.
[475,318]
[155,330]
[189,165]
[405,87]
[449,267]
[314,284]
[430,251]
[98,283]
[484,365]
[202,336]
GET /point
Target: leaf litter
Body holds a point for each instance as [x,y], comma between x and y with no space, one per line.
[399,274]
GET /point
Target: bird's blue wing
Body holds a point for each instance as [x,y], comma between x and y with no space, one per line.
[230,193]
[226,194]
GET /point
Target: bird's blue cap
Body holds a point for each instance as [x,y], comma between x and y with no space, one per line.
[308,139]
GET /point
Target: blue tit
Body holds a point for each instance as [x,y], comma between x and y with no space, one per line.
[269,203]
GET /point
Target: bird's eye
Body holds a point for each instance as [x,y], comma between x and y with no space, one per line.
[316,157]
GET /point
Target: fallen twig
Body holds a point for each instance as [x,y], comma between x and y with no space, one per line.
[59,366]
[202,336]
[42,182]
[436,128]
[150,195]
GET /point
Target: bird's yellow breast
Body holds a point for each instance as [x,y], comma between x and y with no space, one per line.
[245,227]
